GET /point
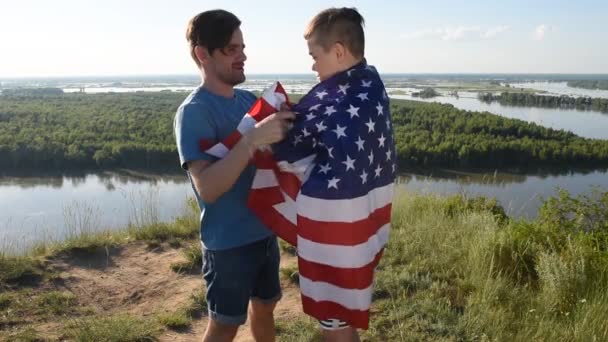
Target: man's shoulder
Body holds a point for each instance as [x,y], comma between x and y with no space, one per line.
[195,104]
[246,94]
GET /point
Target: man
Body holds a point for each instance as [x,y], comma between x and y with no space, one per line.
[241,256]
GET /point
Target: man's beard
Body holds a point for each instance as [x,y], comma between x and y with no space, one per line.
[232,78]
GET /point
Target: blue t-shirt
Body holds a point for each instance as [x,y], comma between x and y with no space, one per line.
[228,222]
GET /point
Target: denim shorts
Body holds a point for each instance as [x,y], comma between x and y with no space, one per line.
[236,275]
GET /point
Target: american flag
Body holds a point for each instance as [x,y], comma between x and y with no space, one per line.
[328,188]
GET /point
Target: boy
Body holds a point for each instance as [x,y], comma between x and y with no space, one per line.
[341,147]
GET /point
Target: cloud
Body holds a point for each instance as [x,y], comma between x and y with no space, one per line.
[456,33]
[494,31]
[541,31]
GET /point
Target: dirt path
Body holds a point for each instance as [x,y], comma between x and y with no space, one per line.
[135,280]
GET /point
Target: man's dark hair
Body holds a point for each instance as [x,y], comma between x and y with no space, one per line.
[211,30]
[343,25]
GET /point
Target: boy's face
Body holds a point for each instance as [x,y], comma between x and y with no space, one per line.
[228,63]
[325,63]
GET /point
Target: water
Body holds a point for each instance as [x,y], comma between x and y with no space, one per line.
[48,208]
[43,209]
[561,88]
[40,209]
[588,124]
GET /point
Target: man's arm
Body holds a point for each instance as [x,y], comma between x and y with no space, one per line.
[213,179]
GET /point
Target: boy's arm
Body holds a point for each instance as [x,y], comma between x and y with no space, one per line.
[212,179]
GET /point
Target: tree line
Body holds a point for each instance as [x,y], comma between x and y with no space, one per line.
[43,133]
[589,84]
[533,100]
[432,134]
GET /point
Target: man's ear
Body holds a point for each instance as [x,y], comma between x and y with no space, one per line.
[202,54]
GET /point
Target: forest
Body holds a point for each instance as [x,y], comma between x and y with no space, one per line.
[59,133]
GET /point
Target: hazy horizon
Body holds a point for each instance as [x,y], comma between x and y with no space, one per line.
[70,38]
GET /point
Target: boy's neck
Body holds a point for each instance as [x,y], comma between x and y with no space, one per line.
[349,64]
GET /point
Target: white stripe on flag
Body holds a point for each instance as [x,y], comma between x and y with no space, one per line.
[350,298]
[300,168]
[218,150]
[345,210]
[273,98]
[264,178]
[287,209]
[344,256]
[246,124]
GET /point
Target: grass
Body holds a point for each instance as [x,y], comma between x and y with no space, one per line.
[182,318]
[456,269]
[298,330]
[119,328]
[194,259]
[290,274]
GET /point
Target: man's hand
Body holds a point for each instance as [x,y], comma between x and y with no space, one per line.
[270,130]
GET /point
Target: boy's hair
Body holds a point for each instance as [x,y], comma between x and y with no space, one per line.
[344,25]
[211,30]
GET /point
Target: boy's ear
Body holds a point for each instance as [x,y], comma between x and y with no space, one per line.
[202,54]
[340,50]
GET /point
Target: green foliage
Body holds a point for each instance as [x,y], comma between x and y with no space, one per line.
[290,274]
[27,335]
[589,84]
[426,93]
[120,328]
[14,269]
[80,131]
[533,100]
[194,259]
[437,135]
[58,133]
[56,302]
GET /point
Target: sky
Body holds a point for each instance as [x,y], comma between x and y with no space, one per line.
[40,38]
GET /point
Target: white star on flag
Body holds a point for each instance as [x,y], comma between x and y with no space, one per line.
[315,107]
[381,140]
[370,125]
[321,94]
[320,127]
[378,170]
[350,163]
[360,143]
[340,131]
[333,183]
[367,84]
[343,88]
[329,110]
[325,168]
[362,96]
[354,111]
[363,177]
[380,109]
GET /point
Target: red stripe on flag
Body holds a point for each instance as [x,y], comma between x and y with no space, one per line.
[232,139]
[289,183]
[329,310]
[261,202]
[261,109]
[348,278]
[205,144]
[343,233]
